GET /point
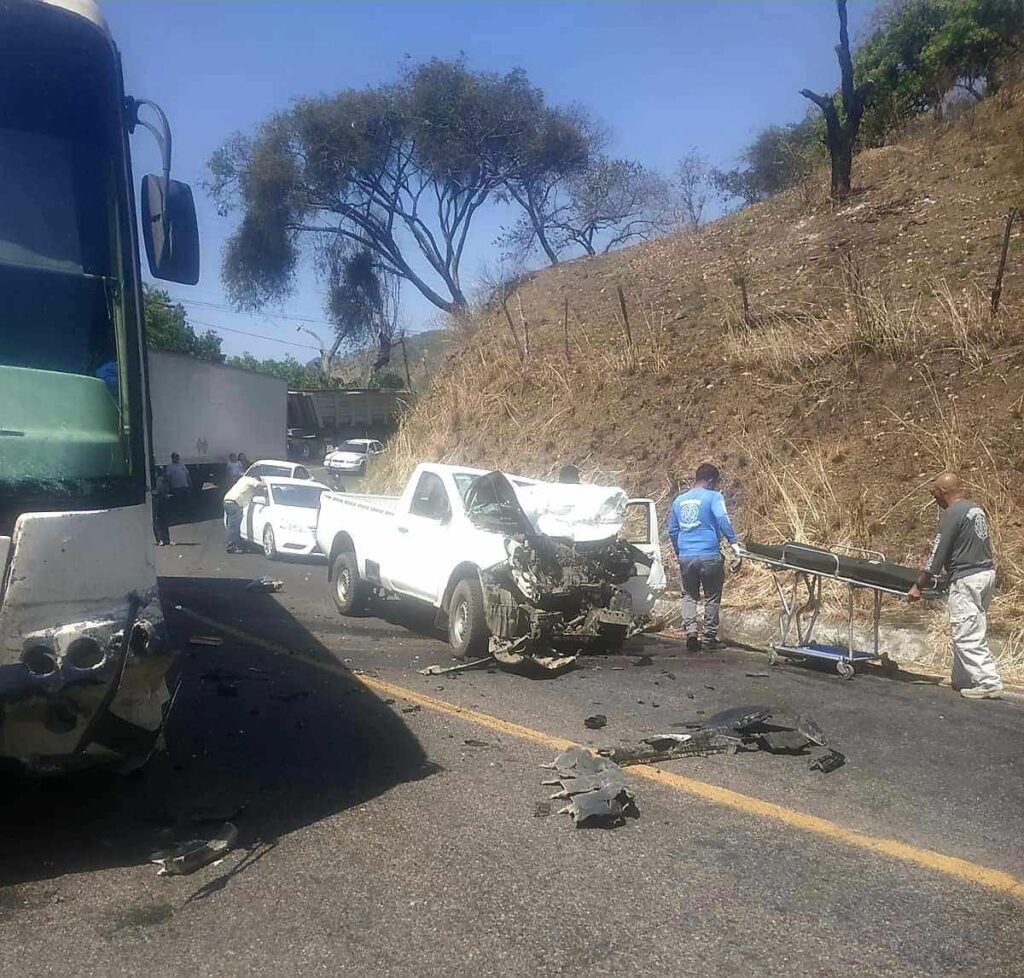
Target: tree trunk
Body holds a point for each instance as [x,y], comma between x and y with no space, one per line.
[841,135]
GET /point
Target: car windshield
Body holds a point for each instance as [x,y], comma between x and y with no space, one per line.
[275,471]
[359,447]
[301,497]
[66,426]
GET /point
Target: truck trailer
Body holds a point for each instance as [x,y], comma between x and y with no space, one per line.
[204,410]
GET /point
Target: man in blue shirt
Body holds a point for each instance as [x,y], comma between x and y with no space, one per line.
[697,522]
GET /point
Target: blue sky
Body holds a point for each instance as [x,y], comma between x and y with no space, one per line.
[664,76]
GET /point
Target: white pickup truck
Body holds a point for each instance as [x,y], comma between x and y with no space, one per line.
[522,565]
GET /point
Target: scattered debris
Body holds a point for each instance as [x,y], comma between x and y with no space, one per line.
[667,747]
[643,660]
[265,585]
[438,670]
[757,675]
[192,855]
[470,742]
[828,762]
[595,787]
[542,809]
[415,708]
[205,640]
[595,722]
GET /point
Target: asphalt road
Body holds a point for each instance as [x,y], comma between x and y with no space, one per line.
[392,824]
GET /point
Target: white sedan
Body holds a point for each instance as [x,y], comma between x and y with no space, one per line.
[281,516]
[353,456]
[275,468]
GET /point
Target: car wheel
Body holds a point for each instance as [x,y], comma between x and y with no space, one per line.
[348,589]
[269,543]
[362,470]
[467,625]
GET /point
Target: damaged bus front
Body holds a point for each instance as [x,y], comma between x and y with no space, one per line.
[83,658]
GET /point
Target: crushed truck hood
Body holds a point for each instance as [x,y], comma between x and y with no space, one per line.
[579,513]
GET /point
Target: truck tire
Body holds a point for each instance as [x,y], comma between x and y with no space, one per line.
[467,624]
[348,589]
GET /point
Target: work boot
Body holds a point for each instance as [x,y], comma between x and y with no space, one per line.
[692,643]
[711,644]
[981,692]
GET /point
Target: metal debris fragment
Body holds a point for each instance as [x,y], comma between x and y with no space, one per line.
[438,670]
[192,855]
[595,722]
[828,762]
[265,585]
[594,786]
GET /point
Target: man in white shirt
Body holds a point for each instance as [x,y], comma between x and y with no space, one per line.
[235,500]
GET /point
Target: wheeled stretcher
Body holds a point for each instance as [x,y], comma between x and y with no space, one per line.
[810,567]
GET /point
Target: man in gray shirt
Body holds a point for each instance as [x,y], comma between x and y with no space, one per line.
[963,549]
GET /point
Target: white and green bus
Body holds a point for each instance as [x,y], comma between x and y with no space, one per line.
[84,661]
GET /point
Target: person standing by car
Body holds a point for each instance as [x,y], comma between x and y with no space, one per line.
[963,548]
[697,523]
[235,469]
[235,500]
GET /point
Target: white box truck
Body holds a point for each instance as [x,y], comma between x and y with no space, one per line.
[204,410]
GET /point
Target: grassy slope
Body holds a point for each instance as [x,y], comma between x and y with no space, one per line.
[868,362]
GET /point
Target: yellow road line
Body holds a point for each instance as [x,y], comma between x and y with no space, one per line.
[953,866]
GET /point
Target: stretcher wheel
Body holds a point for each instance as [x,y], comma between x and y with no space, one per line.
[845,669]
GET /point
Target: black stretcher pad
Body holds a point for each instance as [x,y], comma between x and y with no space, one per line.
[870,572]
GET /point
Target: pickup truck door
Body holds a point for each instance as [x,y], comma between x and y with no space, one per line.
[421,535]
[641,530]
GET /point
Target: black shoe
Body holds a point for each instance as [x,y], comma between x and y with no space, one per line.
[692,643]
[232,550]
[711,645]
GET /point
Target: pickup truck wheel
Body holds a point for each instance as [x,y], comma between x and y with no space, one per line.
[467,626]
[347,588]
[269,544]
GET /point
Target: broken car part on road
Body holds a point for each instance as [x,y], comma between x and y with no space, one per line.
[192,855]
[594,786]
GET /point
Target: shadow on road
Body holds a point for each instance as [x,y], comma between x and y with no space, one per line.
[270,741]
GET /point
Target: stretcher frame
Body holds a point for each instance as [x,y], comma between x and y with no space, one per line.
[801,618]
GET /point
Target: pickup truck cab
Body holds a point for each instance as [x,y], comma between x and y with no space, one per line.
[522,564]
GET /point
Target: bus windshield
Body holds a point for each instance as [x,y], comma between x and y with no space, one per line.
[66,428]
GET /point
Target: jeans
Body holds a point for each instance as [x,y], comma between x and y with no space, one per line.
[699,574]
[233,518]
[969,599]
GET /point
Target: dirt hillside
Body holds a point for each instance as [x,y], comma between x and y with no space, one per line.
[866,361]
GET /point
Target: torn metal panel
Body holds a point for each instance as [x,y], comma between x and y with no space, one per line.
[83,652]
[828,762]
[609,805]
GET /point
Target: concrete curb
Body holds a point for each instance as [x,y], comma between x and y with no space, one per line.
[754,631]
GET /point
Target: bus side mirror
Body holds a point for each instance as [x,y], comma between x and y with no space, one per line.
[170,230]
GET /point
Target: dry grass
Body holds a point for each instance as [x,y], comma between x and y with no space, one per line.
[867,321]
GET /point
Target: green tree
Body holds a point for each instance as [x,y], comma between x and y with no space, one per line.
[300,376]
[167,328]
[922,50]
[777,159]
[399,170]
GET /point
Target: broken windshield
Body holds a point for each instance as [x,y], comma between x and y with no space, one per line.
[65,382]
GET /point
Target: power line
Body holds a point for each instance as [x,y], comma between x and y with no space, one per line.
[216,305]
[257,336]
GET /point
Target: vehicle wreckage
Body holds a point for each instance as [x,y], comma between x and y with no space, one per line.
[515,568]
